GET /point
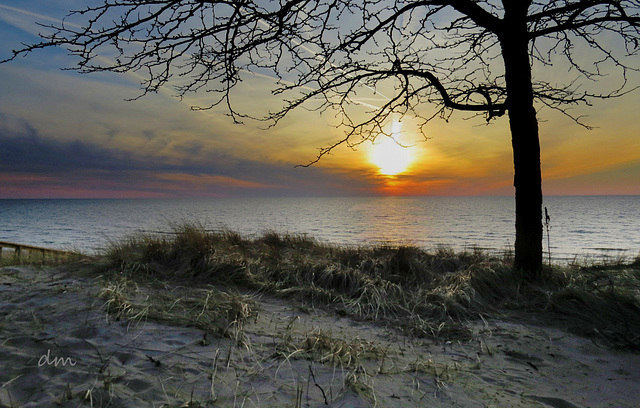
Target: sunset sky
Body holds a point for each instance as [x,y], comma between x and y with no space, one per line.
[63,134]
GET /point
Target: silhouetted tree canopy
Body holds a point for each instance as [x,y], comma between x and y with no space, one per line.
[424,59]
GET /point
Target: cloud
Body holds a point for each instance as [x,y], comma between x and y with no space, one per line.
[24,19]
[622,180]
[32,162]
[64,134]
[37,16]
[27,151]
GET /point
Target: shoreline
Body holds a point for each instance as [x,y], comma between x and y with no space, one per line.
[578,225]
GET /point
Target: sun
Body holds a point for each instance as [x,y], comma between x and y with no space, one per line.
[391,157]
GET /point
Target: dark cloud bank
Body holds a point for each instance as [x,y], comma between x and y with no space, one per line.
[26,151]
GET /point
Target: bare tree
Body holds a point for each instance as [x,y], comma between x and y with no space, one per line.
[422,58]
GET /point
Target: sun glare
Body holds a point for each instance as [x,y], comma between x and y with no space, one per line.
[389,155]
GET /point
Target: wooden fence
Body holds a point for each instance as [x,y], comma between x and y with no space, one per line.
[21,252]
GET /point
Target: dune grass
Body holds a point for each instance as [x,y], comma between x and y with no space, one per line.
[221,313]
[212,281]
[322,346]
[425,294]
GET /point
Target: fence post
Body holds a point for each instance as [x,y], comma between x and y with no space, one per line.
[17,252]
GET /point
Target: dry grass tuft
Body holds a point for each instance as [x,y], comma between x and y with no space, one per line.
[439,371]
[321,346]
[361,382]
[221,313]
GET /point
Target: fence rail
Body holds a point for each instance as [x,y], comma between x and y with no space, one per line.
[30,252]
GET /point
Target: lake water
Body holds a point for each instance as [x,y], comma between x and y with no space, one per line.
[582,226]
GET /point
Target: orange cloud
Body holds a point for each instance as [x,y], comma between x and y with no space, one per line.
[190,181]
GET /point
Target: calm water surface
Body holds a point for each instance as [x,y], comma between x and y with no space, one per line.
[583,226]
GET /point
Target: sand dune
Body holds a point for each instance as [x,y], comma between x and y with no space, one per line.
[59,347]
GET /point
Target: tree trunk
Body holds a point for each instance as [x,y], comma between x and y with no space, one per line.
[526,143]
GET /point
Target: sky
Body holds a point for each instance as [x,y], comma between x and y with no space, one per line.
[68,135]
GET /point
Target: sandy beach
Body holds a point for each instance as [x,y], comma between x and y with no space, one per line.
[60,347]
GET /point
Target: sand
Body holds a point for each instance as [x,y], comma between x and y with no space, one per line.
[59,347]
